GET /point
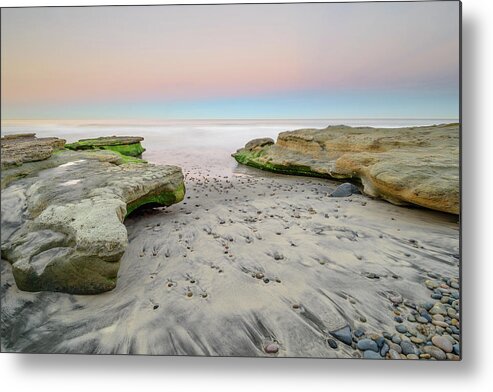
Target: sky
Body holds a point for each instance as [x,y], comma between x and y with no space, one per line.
[340,60]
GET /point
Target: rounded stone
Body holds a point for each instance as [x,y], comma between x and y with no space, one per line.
[416,340]
[401,328]
[442,342]
[368,354]
[452,357]
[434,352]
[345,190]
[367,344]
[396,299]
[408,348]
[380,340]
[442,324]
[384,350]
[439,308]
[438,317]
[431,284]
[395,347]
[332,343]
[271,348]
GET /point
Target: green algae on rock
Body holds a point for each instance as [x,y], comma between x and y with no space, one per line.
[62,217]
[125,145]
[414,165]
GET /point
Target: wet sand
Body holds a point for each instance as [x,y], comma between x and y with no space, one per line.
[248,259]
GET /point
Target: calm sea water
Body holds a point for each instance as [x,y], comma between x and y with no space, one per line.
[195,144]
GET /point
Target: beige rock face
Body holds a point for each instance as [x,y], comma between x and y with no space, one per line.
[62,218]
[20,148]
[416,165]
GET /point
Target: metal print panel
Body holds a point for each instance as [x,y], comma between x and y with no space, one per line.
[262,180]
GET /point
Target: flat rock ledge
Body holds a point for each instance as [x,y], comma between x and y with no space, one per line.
[62,218]
[414,165]
[25,147]
[126,145]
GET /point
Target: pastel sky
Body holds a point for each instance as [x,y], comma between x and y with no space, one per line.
[374,60]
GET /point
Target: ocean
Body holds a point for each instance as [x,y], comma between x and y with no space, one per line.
[194,144]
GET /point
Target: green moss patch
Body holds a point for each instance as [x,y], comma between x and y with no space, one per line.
[250,158]
[160,199]
[131,150]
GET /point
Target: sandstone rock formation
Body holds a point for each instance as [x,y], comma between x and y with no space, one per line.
[415,165]
[62,218]
[20,148]
[126,145]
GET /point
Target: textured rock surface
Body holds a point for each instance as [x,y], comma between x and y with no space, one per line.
[126,145]
[20,148]
[62,224]
[416,165]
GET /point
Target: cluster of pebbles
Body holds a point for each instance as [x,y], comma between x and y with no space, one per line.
[429,331]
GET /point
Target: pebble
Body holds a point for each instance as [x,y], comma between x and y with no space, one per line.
[367,344]
[456,349]
[371,355]
[411,318]
[385,349]
[422,320]
[395,347]
[380,340]
[442,324]
[387,335]
[396,299]
[359,332]
[396,339]
[434,351]
[438,317]
[416,340]
[443,343]
[412,356]
[343,335]
[439,308]
[401,328]
[332,343]
[408,348]
[271,348]
[431,284]
[394,354]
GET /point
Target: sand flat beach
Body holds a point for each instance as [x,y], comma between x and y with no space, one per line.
[251,263]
